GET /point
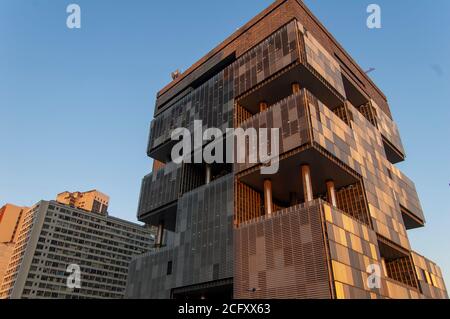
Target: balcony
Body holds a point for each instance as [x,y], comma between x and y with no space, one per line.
[290,116]
[288,188]
[293,117]
[397,263]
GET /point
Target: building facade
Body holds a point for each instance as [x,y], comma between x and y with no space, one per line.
[92,201]
[10,218]
[331,223]
[54,238]
[10,221]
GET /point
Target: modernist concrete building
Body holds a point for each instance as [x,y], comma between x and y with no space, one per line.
[54,236]
[337,211]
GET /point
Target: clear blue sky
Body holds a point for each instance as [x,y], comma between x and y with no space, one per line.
[75,105]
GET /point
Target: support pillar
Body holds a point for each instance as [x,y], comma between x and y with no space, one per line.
[262,106]
[306,182]
[295,88]
[268,201]
[208,174]
[159,235]
[383,264]
[331,193]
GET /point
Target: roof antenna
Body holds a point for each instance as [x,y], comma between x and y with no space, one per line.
[370,70]
[175,74]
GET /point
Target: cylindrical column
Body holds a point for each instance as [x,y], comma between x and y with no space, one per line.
[159,235]
[208,174]
[295,88]
[268,203]
[262,106]
[306,182]
[383,264]
[331,192]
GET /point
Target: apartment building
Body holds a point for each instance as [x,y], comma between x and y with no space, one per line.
[333,221]
[10,219]
[55,238]
[92,201]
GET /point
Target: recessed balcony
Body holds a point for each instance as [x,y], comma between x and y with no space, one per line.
[292,116]
[397,263]
[279,87]
[326,179]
